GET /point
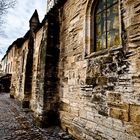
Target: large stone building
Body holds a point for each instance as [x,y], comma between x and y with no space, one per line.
[80,68]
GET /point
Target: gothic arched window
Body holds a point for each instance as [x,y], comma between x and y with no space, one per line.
[106,24]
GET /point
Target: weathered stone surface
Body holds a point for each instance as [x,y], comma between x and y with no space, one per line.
[119,114]
[17,123]
[95,95]
[135,114]
[108,85]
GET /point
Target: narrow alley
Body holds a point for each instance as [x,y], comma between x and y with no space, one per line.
[18,124]
[72,72]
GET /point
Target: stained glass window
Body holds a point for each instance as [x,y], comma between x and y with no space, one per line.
[106,24]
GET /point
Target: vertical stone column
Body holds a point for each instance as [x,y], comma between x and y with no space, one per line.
[28,73]
[40,77]
[51,95]
[47,80]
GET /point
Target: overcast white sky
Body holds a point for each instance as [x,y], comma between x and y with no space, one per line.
[17,21]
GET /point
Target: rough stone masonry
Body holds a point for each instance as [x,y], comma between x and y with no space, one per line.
[93,95]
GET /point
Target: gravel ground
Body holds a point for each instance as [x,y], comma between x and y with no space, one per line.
[18,124]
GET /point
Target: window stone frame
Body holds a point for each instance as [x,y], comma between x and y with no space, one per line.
[89,34]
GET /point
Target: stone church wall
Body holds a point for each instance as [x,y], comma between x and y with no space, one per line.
[94,96]
[18,75]
[99,92]
[44,83]
[35,89]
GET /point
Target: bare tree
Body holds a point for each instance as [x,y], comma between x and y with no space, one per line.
[4,6]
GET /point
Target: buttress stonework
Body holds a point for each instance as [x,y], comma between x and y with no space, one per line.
[80,68]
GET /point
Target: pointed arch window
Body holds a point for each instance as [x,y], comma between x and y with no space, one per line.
[106,24]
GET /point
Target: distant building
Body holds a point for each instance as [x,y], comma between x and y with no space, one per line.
[4,64]
[80,68]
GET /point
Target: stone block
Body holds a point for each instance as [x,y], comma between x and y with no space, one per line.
[75,111]
[77,131]
[119,105]
[80,122]
[114,97]
[135,114]
[136,130]
[91,81]
[89,137]
[118,125]
[119,114]
[65,100]
[90,125]
[112,79]
[107,59]
[94,71]
[113,67]
[102,80]
[97,98]
[133,130]
[103,110]
[72,81]
[90,116]
[65,107]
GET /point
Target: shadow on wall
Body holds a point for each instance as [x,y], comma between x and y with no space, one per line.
[48,73]
[5,82]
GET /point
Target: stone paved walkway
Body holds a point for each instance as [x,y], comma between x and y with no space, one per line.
[16,124]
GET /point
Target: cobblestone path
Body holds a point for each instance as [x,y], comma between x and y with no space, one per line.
[16,124]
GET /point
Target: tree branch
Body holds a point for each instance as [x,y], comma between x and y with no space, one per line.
[4,6]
